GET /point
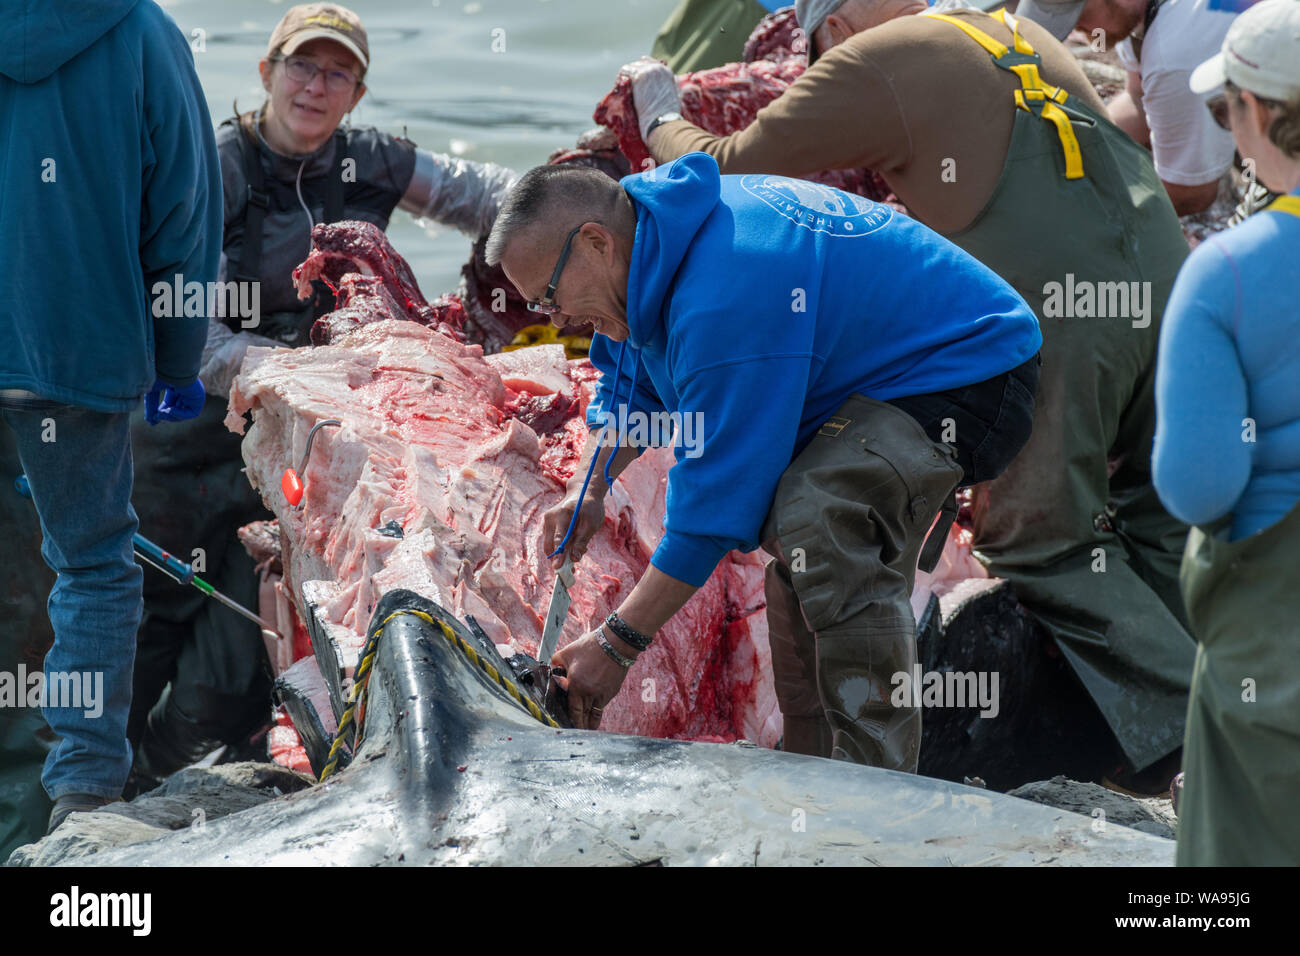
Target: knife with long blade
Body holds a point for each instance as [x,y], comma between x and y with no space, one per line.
[557,613]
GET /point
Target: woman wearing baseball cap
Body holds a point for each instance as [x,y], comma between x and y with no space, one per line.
[285,167]
[1227,459]
[294,153]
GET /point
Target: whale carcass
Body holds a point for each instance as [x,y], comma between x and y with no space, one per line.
[451,770]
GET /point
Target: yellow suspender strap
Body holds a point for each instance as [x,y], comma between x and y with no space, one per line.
[1064,131]
[1032,88]
[1289,204]
[979,36]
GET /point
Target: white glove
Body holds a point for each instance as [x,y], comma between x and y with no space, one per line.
[223,354]
[654,91]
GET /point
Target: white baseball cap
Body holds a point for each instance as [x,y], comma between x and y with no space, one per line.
[1261,53]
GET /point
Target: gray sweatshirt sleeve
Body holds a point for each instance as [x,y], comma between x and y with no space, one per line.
[458,192]
[223,353]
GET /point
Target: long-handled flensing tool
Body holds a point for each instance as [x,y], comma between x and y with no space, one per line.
[172,566]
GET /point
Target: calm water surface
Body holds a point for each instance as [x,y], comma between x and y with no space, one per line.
[435,75]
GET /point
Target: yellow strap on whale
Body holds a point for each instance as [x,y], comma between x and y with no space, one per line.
[361,686]
[1034,96]
[468,650]
[1289,204]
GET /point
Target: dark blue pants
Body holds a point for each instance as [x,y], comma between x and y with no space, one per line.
[990,420]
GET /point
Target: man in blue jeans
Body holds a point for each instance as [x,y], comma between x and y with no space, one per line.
[111,184]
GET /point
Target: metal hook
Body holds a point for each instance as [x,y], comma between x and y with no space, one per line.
[311,436]
[291,482]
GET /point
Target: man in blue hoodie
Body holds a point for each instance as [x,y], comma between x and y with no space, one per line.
[846,369]
[109,183]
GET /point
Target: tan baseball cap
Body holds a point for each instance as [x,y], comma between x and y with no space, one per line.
[315,21]
[1261,53]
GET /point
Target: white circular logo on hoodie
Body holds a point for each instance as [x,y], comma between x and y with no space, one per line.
[817,207]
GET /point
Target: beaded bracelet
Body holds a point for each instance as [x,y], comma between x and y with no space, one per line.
[608,648]
[625,633]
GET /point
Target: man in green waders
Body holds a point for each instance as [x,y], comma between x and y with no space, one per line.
[1227,458]
[701,34]
[997,140]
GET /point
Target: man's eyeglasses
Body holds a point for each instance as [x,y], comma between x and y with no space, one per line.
[1218,107]
[546,304]
[304,71]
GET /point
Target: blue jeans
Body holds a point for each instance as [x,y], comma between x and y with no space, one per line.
[81,484]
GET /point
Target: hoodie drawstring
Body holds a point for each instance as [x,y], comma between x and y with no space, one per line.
[600,443]
[636,374]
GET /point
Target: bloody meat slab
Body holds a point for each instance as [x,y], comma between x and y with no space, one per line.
[437,480]
[434,442]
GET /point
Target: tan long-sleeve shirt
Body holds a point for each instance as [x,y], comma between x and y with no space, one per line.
[914,99]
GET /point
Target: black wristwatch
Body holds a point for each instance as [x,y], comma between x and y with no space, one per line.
[665,118]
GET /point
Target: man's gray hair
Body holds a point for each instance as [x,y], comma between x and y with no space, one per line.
[558,197]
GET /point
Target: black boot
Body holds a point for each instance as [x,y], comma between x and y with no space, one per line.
[172,741]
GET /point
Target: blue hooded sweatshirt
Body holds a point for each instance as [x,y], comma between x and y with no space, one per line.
[757,305]
[109,183]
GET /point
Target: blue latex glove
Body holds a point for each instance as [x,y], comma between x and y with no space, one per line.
[167,403]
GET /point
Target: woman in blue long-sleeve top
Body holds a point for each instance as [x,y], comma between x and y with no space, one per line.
[1227,459]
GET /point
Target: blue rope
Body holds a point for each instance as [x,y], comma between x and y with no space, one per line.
[573,522]
[600,443]
[636,374]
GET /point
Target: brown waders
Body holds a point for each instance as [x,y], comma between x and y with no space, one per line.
[1079,212]
[846,528]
